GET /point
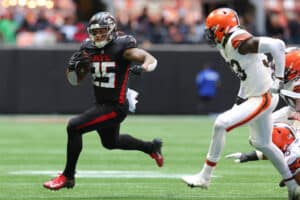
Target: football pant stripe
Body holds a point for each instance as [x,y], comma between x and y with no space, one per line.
[265,103]
[98,120]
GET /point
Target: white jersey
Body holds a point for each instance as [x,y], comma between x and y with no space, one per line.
[255,76]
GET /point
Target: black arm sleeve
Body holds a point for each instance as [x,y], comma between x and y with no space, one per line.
[250,156]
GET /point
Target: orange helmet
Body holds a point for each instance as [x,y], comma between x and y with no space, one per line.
[219,22]
[283,135]
[292,64]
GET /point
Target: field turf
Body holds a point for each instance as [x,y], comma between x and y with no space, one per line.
[32,150]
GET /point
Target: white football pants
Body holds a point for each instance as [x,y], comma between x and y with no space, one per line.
[257,112]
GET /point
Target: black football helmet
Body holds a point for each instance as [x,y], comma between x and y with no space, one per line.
[101,28]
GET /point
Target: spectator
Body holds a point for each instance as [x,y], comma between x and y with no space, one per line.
[8,28]
[81,33]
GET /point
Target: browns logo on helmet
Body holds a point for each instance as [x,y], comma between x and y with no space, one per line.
[219,23]
[292,64]
[283,135]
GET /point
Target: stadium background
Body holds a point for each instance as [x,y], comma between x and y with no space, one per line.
[38,37]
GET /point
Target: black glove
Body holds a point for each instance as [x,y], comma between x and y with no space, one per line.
[136,69]
[79,59]
[243,157]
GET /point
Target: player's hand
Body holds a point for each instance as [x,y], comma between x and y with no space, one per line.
[277,86]
[136,69]
[79,59]
[294,116]
[236,156]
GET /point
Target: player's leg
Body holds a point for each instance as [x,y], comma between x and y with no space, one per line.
[260,138]
[235,117]
[111,139]
[92,119]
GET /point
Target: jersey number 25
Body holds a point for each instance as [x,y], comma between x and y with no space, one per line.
[103,76]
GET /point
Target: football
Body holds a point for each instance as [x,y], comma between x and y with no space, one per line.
[82,70]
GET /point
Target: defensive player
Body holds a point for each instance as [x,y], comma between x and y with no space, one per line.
[246,57]
[291,111]
[286,138]
[283,133]
[107,54]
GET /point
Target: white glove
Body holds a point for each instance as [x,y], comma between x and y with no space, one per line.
[236,156]
[277,86]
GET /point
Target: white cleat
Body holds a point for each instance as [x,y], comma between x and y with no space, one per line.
[196,180]
[294,194]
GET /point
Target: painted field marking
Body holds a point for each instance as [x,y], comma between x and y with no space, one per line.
[104,174]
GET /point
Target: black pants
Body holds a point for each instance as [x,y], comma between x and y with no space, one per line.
[106,120]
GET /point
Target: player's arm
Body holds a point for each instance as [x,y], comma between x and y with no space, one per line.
[245,157]
[147,62]
[275,47]
[295,115]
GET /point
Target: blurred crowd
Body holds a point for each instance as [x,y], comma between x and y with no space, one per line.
[26,27]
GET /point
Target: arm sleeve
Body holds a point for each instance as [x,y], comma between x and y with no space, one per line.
[276,48]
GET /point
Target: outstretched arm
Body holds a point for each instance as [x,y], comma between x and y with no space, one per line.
[147,62]
[245,157]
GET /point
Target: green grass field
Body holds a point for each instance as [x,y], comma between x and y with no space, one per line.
[37,145]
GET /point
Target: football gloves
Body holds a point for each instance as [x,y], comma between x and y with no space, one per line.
[243,157]
[79,59]
[136,69]
[277,86]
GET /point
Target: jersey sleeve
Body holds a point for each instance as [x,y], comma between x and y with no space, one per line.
[85,44]
[240,39]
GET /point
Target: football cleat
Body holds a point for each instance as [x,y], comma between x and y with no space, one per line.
[157,155]
[197,180]
[59,182]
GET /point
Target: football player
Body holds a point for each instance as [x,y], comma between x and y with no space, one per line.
[107,55]
[291,95]
[284,118]
[286,138]
[245,55]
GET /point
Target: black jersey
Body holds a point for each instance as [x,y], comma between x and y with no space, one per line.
[110,69]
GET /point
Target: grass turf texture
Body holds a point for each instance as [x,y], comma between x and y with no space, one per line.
[32,144]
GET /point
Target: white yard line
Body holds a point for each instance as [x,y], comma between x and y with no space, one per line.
[104,174]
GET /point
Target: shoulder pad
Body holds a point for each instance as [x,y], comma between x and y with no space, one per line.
[237,40]
[87,44]
[127,41]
